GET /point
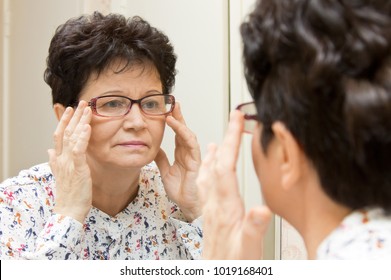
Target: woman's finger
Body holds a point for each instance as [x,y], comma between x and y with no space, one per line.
[82,135]
[205,174]
[177,113]
[79,151]
[52,161]
[255,226]
[162,162]
[181,130]
[70,139]
[184,137]
[228,153]
[80,127]
[59,132]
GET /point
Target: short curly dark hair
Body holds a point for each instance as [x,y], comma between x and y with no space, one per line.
[323,68]
[89,43]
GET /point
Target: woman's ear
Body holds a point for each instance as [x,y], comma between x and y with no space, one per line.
[291,156]
[59,109]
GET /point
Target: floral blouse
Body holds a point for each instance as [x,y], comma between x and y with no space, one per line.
[151,227]
[364,234]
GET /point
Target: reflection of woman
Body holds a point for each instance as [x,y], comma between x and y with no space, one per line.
[102,196]
[320,76]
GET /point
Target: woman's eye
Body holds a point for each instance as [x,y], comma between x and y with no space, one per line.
[150,105]
[113,104]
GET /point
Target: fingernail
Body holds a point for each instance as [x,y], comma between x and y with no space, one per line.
[81,104]
[67,110]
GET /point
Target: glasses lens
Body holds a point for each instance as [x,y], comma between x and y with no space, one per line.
[250,112]
[112,106]
[249,125]
[157,104]
[248,109]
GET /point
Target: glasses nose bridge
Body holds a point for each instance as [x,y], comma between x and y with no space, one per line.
[132,102]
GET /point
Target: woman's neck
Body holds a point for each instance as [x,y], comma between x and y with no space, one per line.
[321,216]
[316,214]
[114,189]
[321,227]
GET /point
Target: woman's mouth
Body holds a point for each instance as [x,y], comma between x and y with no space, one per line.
[133,144]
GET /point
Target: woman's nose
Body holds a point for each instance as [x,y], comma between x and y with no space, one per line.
[135,118]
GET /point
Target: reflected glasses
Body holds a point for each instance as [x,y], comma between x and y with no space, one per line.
[118,106]
[250,116]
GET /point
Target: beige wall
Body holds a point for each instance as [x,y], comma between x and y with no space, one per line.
[29,116]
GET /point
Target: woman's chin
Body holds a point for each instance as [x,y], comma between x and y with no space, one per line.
[133,163]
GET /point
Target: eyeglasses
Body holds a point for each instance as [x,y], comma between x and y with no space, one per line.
[117,105]
[250,116]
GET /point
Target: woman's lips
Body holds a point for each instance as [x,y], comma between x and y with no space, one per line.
[133,144]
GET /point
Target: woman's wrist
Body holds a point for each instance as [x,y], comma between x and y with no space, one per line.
[191,214]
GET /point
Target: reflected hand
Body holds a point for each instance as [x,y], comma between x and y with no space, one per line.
[179,179]
[229,232]
[69,164]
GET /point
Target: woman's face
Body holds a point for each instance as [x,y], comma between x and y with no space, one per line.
[129,141]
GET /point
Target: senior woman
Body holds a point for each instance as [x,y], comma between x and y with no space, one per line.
[101,196]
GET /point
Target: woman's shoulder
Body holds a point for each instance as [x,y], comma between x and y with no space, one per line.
[363,234]
[35,179]
[37,173]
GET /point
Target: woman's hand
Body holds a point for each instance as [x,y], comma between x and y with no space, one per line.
[69,164]
[179,179]
[229,233]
